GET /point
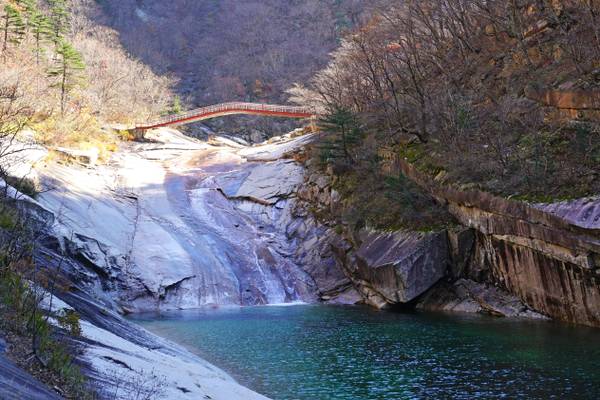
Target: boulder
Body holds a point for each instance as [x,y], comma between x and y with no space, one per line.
[391,268]
[272,181]
[85,157]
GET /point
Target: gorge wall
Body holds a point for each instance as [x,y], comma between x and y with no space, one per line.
[548,259]
[180,224]
[407,269]
[504,258]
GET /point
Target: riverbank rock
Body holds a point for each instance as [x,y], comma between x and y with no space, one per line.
[116,353]
[465,295]
[546,255]
[394,268]
[385,268]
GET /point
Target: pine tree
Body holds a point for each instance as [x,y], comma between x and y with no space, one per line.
[41,30]
[29,8]
[343,128]
[69,71]
[13,26]
[59,19]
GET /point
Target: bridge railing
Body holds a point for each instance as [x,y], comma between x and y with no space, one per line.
[224,107]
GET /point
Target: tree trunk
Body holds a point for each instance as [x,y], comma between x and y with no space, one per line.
[63,90]
[5,44]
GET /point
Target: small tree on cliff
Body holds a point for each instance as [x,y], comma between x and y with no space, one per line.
[343,131]
[28,8]
[13,26]
[41,30]
[59,19]
[68,70]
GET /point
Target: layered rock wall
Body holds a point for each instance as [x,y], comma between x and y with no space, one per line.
[549,260]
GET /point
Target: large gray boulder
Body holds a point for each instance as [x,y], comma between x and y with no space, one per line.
[270,182]
[395,268]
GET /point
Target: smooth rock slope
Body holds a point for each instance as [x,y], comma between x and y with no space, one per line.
[173,223]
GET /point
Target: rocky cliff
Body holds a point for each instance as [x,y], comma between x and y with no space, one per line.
[546,255]
[175,223]
[405,269]
[505,257]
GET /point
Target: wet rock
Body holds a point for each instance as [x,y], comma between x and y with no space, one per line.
[175,223]
[114,352]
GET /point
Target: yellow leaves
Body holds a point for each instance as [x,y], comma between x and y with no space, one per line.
[79,131]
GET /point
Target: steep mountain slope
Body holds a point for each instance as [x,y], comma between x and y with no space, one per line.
[232,50]
[490,108]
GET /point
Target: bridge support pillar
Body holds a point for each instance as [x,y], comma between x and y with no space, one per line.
[313,124]
[138,134]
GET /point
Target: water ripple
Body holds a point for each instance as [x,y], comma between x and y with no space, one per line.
[351,353]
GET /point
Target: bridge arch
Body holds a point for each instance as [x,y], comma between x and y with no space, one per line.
[223,109]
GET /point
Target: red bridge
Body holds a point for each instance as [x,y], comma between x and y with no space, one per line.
[223,109]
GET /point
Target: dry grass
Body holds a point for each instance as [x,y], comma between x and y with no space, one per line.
[80,131]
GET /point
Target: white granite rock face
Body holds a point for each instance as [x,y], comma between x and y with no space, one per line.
[270,182]
[175,223]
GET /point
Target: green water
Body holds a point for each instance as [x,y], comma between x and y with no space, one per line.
[351,353]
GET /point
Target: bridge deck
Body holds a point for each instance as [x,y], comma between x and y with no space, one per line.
[223,109]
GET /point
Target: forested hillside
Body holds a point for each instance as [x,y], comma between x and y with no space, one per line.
[64,77]
[232,50]
[500,96]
